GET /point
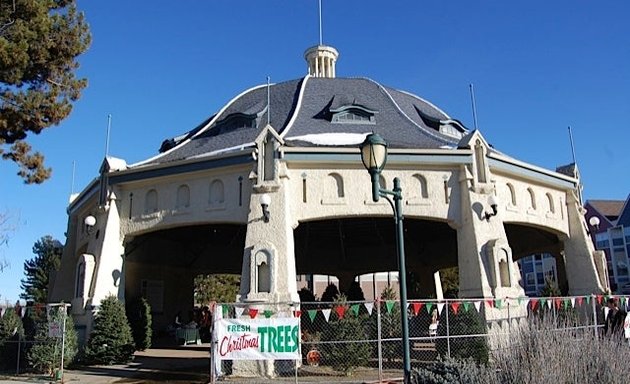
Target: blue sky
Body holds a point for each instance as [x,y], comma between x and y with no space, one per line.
[161,67]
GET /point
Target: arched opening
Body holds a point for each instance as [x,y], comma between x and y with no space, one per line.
[217,192]
[512,194]
[151,201]
[183,197]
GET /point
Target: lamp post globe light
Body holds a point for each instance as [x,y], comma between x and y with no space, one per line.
[374,157]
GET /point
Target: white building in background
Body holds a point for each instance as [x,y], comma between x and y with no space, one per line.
[195,207]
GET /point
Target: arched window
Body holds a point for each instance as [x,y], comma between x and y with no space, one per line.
[217,192]
[337,184]
[80,282]
[532,198]
[183,197]
[512,194]
[552,207]
[151,201]
[423,187]
[264,278]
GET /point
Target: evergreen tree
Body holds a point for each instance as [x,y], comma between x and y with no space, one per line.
[140,320]
[39,44]
[11,331]
[110,341]
[221,288]
[330,293]
[37,270]
[45,355]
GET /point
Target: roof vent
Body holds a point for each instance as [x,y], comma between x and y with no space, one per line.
[321,61]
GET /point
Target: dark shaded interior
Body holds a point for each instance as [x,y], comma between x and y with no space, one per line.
[212,248]
[526,240]
[366,245]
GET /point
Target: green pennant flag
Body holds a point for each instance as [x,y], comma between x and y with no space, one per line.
[466,305]
[567,303]
[355,309]
[389,304]
[520,300]
[429,306]
[267,313]
[543,301]
[225,309]
[311,314]
[588,299]
[498,303]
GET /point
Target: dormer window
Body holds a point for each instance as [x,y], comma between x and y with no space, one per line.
[233,122]
[353,114]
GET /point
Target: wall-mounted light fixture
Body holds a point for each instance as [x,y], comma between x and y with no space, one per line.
[265,200]
[90,222]
[492,201]
[594,223]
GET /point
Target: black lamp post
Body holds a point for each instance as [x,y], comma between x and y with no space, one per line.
[374,157]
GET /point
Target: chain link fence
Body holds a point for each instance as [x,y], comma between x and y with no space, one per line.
[360,341]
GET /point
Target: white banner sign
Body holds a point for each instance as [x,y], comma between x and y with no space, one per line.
[258,339]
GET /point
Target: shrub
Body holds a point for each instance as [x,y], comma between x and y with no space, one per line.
[451,371]
[11,331]
[466,323]
[140,320]
[45,355]
[110,341]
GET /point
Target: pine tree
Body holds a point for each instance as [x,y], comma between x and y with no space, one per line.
[11,331]
[40,41]
[139,315]
[45,355]
[37,270]
[110,341]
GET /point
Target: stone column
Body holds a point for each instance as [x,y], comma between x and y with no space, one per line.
[585,267]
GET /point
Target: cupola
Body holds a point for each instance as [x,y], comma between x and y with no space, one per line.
[321,61]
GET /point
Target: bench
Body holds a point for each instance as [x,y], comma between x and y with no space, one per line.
[421,346]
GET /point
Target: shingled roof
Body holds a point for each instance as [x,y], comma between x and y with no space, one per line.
[303,108]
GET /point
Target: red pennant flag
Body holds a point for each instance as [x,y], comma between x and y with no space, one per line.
[489,303]
[580,300]
[455,306]
[558,303]
[253,312]
[599,299]
[297,313]
[340,310]
[417,307]
[533,303]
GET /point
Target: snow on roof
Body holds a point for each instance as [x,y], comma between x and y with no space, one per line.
[335,138]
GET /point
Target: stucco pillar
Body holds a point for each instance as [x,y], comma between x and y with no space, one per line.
[486,267]
[585,267]
[268,273]
[108,249]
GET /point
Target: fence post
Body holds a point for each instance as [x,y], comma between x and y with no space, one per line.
[17,368]
[378,340]
[448,333]
[594,316]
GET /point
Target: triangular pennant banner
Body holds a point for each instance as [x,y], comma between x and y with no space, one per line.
[429,306]
[244,311]
[533,303]
[489,303]
[606,309]
[355,309]
[340,310]
[369,306]
[573,302]
[558,303]
[498,303]
[267,313]
[253,312]
[543,301]
[477,305]
[520,300]
[525,301]
[326,313]
[455,306]
[600,298]
[567,303]
[440,306]
[389,304]
[588,299]
[549,304]
[225,310]
[579,300]
[297,313]
[416,307]
[466,305]
[311,314]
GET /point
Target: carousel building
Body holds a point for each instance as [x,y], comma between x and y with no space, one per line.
[272,186]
